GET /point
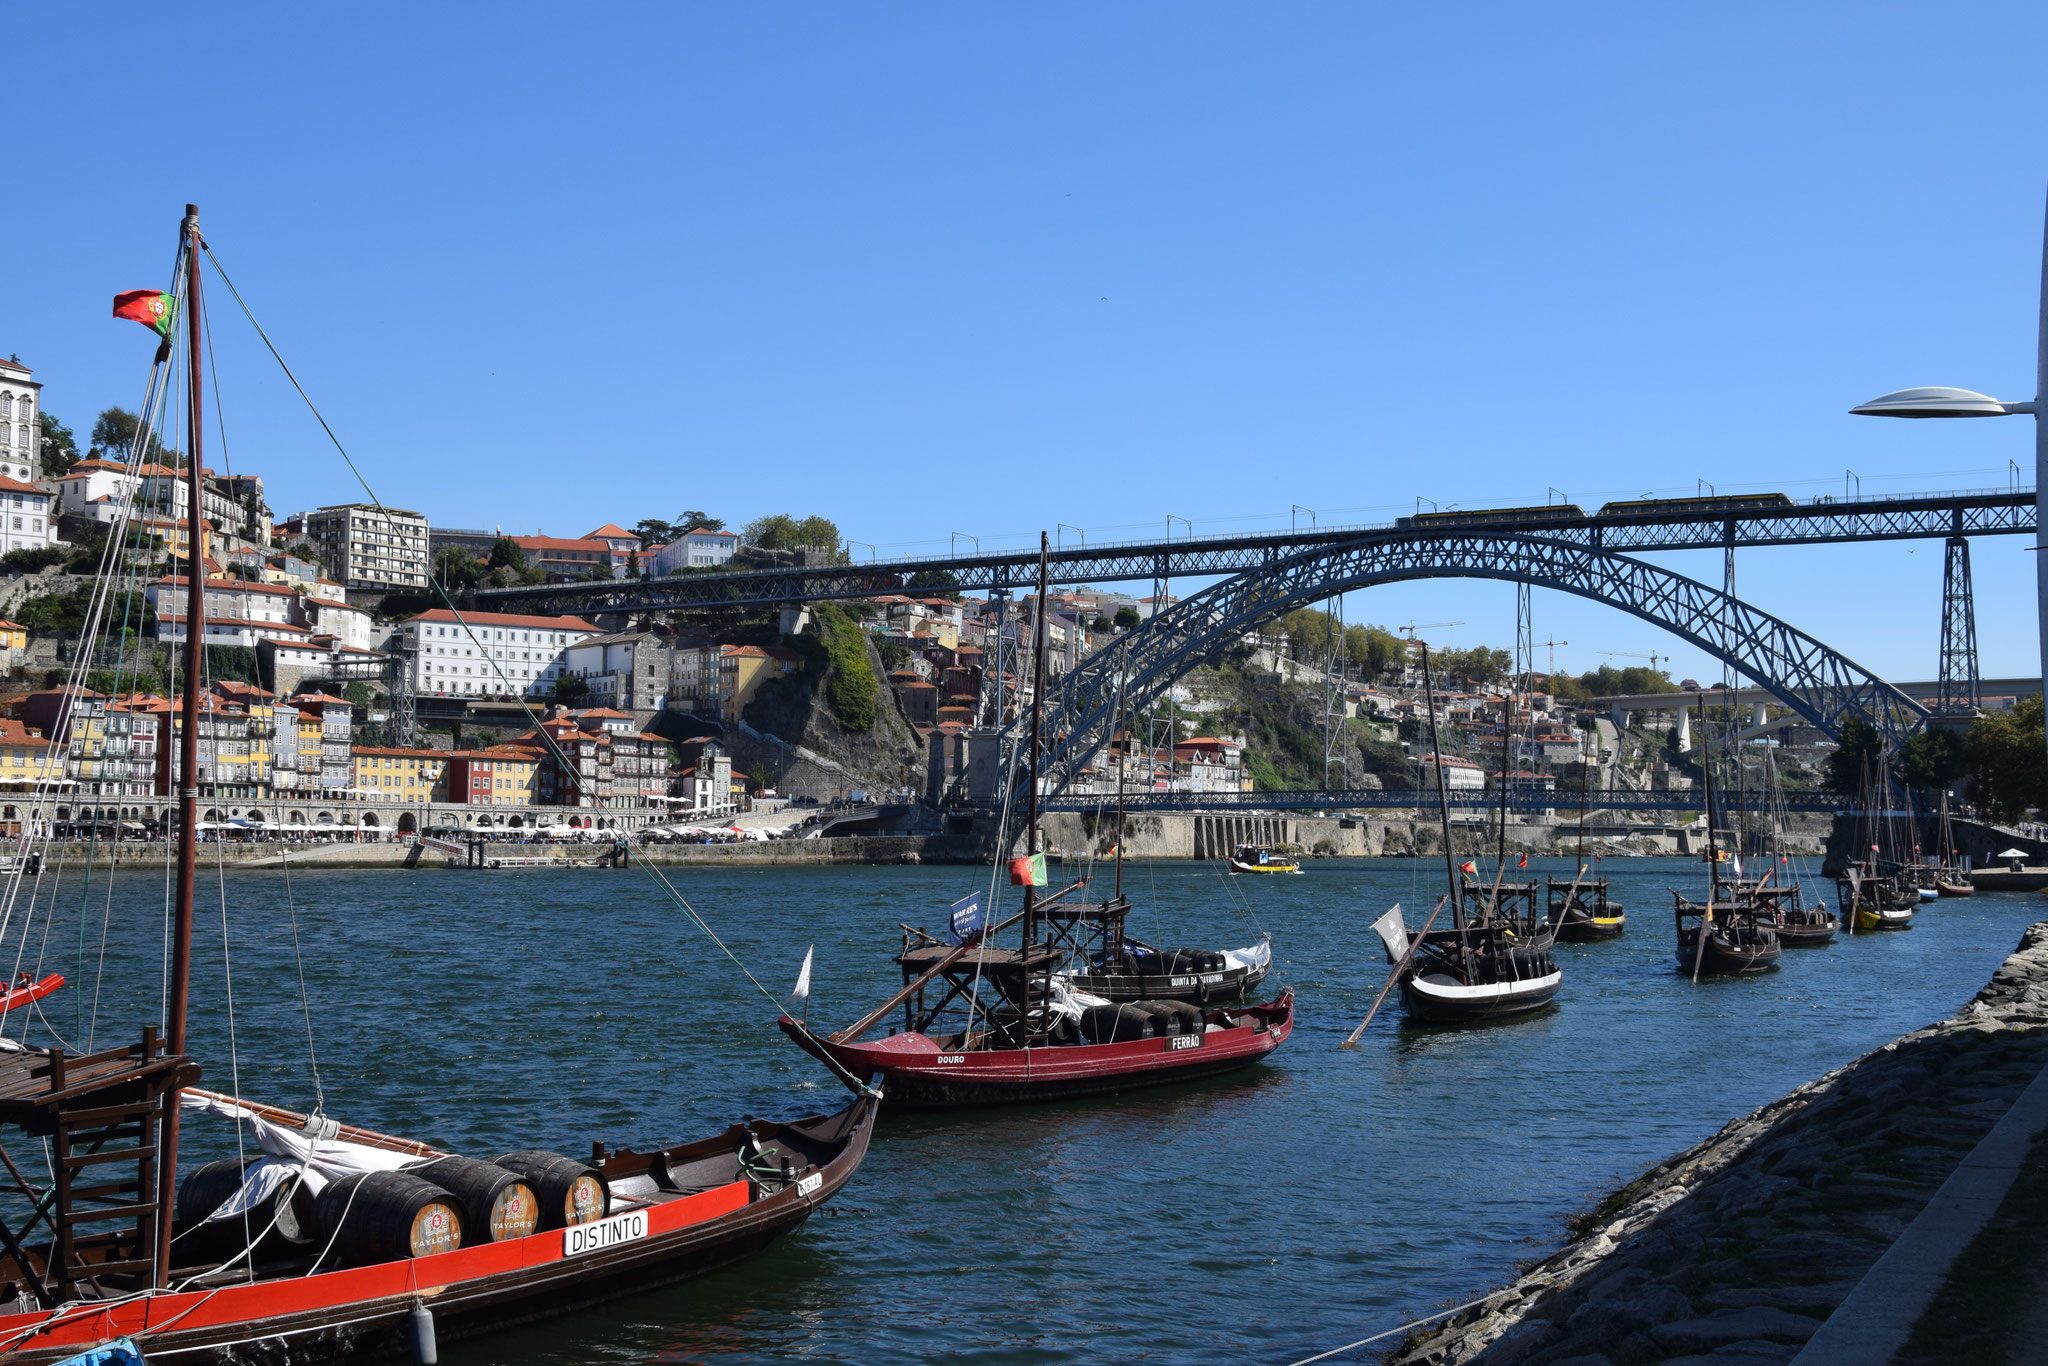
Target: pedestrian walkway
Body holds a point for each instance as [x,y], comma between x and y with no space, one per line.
[1943,1293]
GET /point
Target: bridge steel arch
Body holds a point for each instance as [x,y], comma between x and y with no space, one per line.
[1819,683]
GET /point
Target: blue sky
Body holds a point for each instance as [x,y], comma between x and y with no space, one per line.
[927,269]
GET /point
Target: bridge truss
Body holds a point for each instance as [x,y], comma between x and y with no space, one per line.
[1824,521]
[1472,805]
[1822,685]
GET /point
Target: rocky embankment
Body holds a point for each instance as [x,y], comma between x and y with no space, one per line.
[1734,1252]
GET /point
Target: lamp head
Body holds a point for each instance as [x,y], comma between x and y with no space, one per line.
[1938,401]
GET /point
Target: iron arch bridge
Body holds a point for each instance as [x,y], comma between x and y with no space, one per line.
[1820,684]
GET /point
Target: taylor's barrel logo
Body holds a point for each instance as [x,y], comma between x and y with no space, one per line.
[578,1239]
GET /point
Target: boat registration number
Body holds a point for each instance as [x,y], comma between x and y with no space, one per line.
[809,1184]
[599,1234]
[1178,1042]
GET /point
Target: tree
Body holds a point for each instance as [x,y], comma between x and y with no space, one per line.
[939,582]
[506,554]
[356,694]
[1127,618]
[457,568]
[1856,753]
[2005,749]
[59,448]
[1376,648]
[653,532]
[113,437]
[570,690]
[700,521]
[1932,758]
[784,532]
[1099,624]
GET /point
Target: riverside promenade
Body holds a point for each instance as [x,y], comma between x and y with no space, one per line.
[1893,1211]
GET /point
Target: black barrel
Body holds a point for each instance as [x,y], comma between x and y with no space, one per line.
[1165,1019]
[570,1192]
[388,1217]
[496,1204]
[287,1213]
[1118,1024]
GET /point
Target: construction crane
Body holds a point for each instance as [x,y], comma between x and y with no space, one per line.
[1412,627]
[1552,645]
[1653,657]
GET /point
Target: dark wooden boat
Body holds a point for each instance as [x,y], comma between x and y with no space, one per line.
[403,1243]
[985,1024]
[1581,913]
[1736,941]
[1493,961]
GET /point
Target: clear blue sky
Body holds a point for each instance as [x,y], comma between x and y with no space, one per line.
[938,268]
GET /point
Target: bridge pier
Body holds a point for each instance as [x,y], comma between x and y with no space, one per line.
[1957,698]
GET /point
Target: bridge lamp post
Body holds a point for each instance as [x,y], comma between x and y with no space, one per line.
[1945,402]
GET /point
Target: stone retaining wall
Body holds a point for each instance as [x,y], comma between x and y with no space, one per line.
[1735,1251]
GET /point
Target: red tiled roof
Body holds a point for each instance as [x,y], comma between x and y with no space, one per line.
[441,616]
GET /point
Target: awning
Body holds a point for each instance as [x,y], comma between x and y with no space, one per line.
[2013,853]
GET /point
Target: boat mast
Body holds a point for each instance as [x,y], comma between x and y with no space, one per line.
[1122,759]
[1707,781]
[188,742]
[1443,805]
[1037,719]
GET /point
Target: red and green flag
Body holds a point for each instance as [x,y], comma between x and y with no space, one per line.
[152,308]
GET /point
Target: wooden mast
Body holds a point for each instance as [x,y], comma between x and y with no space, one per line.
[1122,761]
[1038,631]
[1443,804]
[188,742]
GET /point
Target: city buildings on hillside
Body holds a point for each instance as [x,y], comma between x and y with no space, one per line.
[21,397]
[489,653]
[697,548]
[718,681]
[628,670]
[401,775]
[496,775]
[27,520]
[369,547]
[581,558]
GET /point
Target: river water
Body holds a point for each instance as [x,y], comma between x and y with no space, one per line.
[1259,1217]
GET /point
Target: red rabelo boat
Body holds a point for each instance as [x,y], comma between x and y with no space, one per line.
[337,1241]
[987,1025]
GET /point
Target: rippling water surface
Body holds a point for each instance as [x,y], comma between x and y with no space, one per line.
[1257,1217]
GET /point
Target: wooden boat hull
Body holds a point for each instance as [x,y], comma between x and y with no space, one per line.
[1446,1001]
[1237,867]
[1803,935]
[1591,929]
[1873,920]
[1229,984]
[915,1074]
[362,1313]
[1724,957]
[1947,888]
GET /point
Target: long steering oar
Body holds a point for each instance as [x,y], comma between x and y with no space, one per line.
[1399,968]
[1706,927]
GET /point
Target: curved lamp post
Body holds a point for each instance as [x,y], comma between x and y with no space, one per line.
[1945,402]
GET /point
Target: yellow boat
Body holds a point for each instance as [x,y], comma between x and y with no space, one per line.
[1258,858]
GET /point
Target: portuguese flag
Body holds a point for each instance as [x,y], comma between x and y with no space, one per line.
[154,309]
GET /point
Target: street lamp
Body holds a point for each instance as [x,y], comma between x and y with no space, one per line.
[1945,402]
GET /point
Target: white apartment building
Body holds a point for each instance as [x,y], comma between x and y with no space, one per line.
[490,653]
[696,549]
[370,547]
[21,399]
[27,519]
[628,671]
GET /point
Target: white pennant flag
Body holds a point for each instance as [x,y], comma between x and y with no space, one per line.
[803,978]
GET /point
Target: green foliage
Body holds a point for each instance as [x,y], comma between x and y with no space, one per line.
[694,520]
[1933,758]
[1099,624]
[653,532]
[456,568]
[892,653]
[850,690]
[571,691]
[758,777]
[935,582]
[2005,750]
[1856,754]
[1265,778]
[506,554]
[29,561]
[1608,681]
[113,435]
[59,447]
[1376,648]
[1477,666]
[356,694]
[63,614]
[784,532]
[1127,618]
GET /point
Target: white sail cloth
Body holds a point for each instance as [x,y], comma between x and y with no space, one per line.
[1253,958]
[288,1152]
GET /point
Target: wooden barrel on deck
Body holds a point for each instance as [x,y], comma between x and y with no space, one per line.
[496,1203]
[388,1217]
[571,1192]
[1165,1019]
[284,1220]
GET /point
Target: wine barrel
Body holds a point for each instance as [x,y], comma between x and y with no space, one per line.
[388,1217]
[1165,1019]
[496,1204]
[284,1220]
[571,1192]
